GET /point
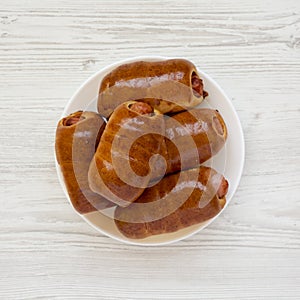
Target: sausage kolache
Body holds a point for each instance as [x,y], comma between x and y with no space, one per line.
[120,169]
[206,188]
[169,86]
[200,134]
[77,137]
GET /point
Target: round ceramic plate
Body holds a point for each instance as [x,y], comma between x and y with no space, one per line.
[229,161]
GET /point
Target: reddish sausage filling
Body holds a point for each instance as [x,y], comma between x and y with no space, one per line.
[223,188]
[73,119]
[141,108]
[197,84]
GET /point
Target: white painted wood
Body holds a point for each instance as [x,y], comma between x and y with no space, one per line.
[252,48]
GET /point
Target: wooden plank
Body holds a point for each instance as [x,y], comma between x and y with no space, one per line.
[48,48]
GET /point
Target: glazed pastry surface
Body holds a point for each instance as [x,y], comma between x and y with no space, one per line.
[199,197]
[77,137]
[120,169]
[169,86]
[192,137]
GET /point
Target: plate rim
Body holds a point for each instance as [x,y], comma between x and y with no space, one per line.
[240,171]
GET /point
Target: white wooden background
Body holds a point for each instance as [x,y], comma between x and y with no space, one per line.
[48,48]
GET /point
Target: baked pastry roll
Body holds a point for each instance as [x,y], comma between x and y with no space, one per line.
[171,205]
[77,137]
[125,160]
[192,137]
[169,86]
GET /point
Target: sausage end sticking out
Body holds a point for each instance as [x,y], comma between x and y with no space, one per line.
[77,136]
[223,189]
[151,222]
[197,85]
[73,119]
[141,108]
[175,82]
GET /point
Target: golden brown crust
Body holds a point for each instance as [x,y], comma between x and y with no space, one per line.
[111,168]
[166,85]
[203,203]
[77,136]
[208,131]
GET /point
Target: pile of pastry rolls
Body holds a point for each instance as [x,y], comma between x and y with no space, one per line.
[142,153]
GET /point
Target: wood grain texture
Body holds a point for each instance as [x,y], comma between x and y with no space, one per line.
[48,48]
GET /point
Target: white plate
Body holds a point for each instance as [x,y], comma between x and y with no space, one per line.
[229,161]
